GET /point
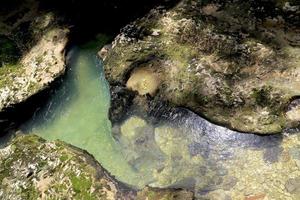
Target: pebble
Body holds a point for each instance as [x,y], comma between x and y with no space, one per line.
[293,185]
[256,197]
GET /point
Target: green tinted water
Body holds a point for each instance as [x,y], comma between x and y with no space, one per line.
[77,113]
[183,150]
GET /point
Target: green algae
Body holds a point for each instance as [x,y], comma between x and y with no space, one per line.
[27,173]
[9,72]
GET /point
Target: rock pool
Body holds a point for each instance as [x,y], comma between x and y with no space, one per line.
[77,113]
[178,149]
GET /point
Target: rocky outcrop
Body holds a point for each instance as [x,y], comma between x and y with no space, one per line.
[231,62]
[32,168]
[32,50]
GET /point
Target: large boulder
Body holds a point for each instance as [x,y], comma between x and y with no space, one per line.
[234,62]
[32,168]
[32,50]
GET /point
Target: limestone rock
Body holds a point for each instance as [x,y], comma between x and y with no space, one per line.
[32,168]
[34,42]
[233,63]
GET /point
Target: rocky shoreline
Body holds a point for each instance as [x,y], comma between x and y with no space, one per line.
[32,168]
[33,43]
[39,40]
[229,62]
[235,67]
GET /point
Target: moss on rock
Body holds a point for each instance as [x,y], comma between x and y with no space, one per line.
[32,43]
[32,168]
[228,61]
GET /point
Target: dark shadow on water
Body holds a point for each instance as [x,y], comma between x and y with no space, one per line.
[12,117]
[89,17]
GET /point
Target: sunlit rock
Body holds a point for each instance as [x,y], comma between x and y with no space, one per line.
[144,81]
[34,44]
[236,63]
[33,168]
[36,169]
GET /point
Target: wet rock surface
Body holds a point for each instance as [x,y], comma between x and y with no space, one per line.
[121,100]
[211,57]
[178,149]
[32,168]
[231,62]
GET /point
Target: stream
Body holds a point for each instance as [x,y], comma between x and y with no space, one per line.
[183,150]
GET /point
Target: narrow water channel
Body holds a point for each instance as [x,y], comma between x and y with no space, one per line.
[77,112]
[182,150]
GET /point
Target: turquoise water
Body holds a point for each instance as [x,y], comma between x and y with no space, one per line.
[77,113]
[180,149]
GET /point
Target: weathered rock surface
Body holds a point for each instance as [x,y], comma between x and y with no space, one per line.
[32,50]
[229,61]
[32,168]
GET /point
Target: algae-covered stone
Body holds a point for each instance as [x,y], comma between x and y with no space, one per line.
[235,62]
[32,43]
[32,168]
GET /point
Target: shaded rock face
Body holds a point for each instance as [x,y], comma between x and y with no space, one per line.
[121,100]
[35,169]
[32,50]
[110,15]
[231,62]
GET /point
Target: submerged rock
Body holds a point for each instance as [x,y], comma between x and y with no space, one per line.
[32,51]
[32,168]
[233,63]
[292,186]
[130,128]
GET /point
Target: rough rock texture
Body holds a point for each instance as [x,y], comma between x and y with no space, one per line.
[32,168]
[32,50]
[234,62]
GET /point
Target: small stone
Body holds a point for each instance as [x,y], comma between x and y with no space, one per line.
[130,128]
[256,197]
[293,185]
[156,32]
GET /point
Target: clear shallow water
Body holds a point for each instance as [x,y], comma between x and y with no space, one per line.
[179,150]
[77,113]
